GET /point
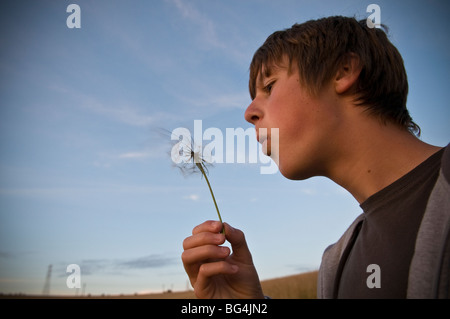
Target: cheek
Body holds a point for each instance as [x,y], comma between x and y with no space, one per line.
[298,145]
[294,125]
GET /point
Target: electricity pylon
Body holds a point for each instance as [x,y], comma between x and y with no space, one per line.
[46,290]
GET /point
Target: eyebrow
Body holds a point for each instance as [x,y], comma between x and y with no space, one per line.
[266,72]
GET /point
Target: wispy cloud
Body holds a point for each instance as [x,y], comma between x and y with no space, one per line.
[125,113]
[308,191]
[70,193]
[134,155]
[6,254]
[239,100]
[117,266]
[157,150]
[150,261]
[192,197]
[301,268]
[208,30]
[231,42]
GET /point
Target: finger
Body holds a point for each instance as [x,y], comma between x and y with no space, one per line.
[211,226]
[216,268]
[238,243]
[209,270]
[194,258]
[202,254]
[201,239]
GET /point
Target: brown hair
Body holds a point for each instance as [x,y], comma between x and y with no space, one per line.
[320,46]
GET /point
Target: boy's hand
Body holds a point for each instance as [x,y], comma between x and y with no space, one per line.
[213,272]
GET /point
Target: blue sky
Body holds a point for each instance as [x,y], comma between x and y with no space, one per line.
[85,178]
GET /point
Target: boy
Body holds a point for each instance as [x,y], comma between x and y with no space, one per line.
[337,90]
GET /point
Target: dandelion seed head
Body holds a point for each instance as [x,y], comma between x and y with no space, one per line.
[187,156]
[189,159]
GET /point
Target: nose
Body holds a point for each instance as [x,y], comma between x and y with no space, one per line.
[252,113]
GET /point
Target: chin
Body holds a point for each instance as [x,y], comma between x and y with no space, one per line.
[295,173]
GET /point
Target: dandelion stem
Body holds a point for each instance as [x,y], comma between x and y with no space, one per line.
[199,165]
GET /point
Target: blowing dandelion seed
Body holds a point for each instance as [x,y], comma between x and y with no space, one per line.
[189,159]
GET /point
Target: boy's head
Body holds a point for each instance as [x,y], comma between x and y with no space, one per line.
[320,47]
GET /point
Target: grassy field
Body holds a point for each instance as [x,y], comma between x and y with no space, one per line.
[301,286]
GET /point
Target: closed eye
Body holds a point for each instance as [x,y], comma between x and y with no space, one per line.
[268,88]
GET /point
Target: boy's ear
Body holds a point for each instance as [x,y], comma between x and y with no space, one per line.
[347,74]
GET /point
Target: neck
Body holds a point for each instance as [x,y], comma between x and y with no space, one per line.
[375,155]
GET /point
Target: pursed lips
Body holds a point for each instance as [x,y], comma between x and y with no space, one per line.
[263,139]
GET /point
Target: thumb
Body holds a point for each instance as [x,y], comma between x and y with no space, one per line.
[237,240]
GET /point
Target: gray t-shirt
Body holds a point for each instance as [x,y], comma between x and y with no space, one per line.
[376,262]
